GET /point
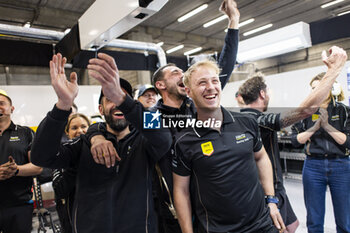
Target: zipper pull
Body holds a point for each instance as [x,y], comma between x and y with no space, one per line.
[117,169]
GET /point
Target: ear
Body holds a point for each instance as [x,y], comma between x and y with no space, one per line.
[12,109]
[262,94]
[188,91]
[100,109]
[160,85]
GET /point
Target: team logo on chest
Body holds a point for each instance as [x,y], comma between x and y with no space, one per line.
[14,139]
[207,148]
[241,138]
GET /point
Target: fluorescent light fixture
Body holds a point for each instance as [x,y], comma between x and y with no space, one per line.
[251,20]
[189,52]
[66,31]
[214,21]
[344,13]
[27,25]
[192,13]
[175,49]
[160,44]
[284,40]
[258,29]
[331,3]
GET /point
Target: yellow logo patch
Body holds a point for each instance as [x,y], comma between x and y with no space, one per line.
[315,117]
[207,148]
[14,139]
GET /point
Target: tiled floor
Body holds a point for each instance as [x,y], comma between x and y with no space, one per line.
[294,189]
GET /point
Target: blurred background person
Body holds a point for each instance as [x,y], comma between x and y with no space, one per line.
[147,95]
[64,180]
[327,143]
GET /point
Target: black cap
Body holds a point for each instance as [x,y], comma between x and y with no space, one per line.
[145,88]
[124,84]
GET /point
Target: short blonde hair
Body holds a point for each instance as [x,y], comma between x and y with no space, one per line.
[196,66]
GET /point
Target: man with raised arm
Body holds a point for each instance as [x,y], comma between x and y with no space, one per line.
[115,199]
[256,97]
[168,81]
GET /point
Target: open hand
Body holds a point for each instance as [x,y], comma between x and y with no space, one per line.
[66,90]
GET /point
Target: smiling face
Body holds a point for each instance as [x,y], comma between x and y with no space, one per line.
[148,99]
[77,126]
[204,88]
[114,117]
[172,82]
[6,108]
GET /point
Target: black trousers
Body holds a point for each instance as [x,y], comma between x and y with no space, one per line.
[16,219]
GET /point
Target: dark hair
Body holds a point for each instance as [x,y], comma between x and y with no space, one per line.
[73,116]
[158,74]
[251,88]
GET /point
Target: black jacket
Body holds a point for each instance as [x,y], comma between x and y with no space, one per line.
[116,199]
[321,142]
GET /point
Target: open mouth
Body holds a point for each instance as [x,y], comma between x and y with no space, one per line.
[118,115]
[210,97]
[181,84]
[1,114]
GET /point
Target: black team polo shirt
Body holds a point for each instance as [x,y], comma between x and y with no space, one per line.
[16,141]
[227,193]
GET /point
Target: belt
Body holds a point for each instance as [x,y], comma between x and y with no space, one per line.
[327,156]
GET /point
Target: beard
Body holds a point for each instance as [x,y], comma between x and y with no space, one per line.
[173,90]
[116,124]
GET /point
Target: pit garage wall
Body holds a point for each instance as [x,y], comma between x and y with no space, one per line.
[33,102]
[287,89]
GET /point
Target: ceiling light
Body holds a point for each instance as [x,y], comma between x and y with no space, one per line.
[214,21]
[244,23]
[27,25]
[257,29]
[331,3]
[160,44]
[66,31]
[175,49]
[189,52]
[192,13]
[344,13]
[284,40]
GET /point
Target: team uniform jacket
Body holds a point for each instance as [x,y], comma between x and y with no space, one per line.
[111,200]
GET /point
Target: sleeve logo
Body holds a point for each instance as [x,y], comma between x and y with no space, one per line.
[314,117]
[207,148]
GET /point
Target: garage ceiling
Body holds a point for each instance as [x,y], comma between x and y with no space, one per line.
[163,26]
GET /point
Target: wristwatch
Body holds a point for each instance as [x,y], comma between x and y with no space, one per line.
[271,199]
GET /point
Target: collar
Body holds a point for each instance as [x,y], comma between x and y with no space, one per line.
[12,127]
[251,111]
[227,119]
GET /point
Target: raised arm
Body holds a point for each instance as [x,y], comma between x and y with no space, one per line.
[335,63]
[47,150]
[228,54]
[104,70]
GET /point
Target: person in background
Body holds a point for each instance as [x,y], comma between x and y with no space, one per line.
[327,144]
[64,180]
[16,171]
[256,96]
[239,99]
[147,95]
